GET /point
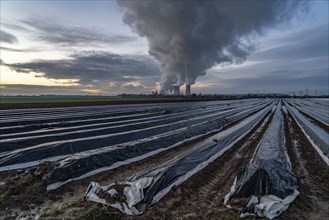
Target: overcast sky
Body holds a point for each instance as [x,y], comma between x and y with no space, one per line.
[84,47]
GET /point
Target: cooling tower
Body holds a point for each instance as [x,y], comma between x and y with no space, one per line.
[188,90]
[176,90]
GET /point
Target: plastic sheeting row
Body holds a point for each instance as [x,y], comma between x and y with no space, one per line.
[100,122]
[74,167]
[133,195]
[26,139]
[267,179]
[318,137]
[51,151]
[321,113]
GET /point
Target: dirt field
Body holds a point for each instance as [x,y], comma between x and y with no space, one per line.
[24,196]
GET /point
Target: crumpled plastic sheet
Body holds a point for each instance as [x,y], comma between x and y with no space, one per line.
[133,195]
[269,206]
[267,178]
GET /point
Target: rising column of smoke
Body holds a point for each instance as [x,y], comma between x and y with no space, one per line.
[200,34]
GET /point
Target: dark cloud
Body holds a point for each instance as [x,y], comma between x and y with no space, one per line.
[21,50]
[66,35]
[188,37]
[292,62]
[96,70]
[279,81]
[110,89]
[7,37]
[14,26]
[306,44]
[284,80]
[22,89]
[94,67]
[295,53]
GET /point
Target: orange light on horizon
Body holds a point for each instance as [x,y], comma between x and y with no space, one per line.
[11,77]
[92,91]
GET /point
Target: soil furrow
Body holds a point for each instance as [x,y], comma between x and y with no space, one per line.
[202,195]
[313,173]
[316,121]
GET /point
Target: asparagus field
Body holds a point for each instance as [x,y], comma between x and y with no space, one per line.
[202,160]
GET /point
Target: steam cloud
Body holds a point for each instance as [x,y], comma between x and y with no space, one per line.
[188,37]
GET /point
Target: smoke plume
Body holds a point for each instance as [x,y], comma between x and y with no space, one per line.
[188,37]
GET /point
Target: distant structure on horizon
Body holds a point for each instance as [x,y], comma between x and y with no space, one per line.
[176,90]
[188,90]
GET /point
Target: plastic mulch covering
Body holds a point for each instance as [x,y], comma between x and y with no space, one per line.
[317,136]
[267,178]
[133,195]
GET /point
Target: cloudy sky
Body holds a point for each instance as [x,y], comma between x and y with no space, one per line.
[85,47]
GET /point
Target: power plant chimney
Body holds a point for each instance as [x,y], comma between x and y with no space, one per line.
[188,90]
[187,87]
[176,90]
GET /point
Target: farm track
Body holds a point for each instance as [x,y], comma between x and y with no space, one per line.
[313,173]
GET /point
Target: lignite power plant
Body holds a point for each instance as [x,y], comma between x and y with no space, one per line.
[175,90]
